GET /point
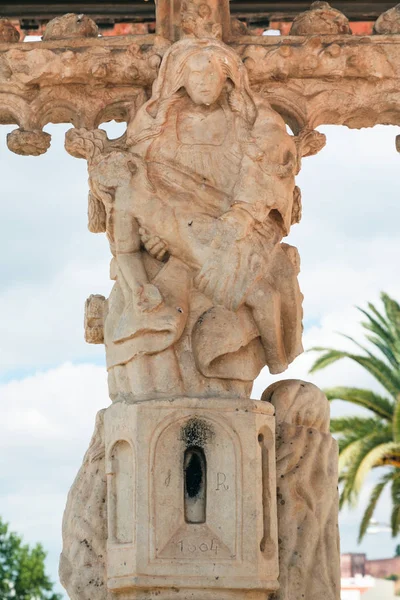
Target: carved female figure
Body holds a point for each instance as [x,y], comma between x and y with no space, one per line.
[207,179]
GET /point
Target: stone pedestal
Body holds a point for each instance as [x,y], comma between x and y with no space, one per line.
[191,489]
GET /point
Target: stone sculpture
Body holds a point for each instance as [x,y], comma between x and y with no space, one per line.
[307,496]
[195,203]
[320,19]
[189,488]
[195,200]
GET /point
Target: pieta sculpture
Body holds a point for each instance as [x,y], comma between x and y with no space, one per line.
[196,199]
[191,490]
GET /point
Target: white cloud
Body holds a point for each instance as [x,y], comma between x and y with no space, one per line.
[47,421]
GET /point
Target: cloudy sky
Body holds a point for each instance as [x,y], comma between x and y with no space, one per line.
[52,383]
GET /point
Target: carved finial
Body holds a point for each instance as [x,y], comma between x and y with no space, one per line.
[84,143]
[28,143]
[8,33]
[321,19]
[239,28]
[389,22]
[309,142]
[198,18]
[70,26]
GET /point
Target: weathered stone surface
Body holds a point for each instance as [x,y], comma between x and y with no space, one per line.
[226,266]
[177,18]
[218,539]
[28,143]
[8,33]
[70,26]
[94,318]
[389,22]
[309,81]
[84,554]
[307,464]
[321,19]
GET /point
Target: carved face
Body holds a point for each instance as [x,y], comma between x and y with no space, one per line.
[204,79]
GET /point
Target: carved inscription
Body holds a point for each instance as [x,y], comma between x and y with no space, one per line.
[196,542]
[221,482]
[210,546]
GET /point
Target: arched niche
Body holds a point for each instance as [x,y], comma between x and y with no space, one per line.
[195,491]
[121,509]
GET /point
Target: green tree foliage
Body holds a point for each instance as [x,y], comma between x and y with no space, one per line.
[22,569]
[370,442]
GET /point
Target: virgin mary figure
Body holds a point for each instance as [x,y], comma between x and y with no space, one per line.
[215,192]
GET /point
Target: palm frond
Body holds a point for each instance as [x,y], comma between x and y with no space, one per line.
[395,517]
[349,455]
[329,357]
[389,352]
[396,422]
[392,309]
[387,377]
[378,315]
[377,328]
[367,452]
[373,458]
[379,405]
[353,341]
[345,440]
[367,443]
[358,426]
[373,501]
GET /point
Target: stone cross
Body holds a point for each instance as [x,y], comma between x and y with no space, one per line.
[190,489]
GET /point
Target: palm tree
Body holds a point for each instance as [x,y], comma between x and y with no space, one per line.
[373,441]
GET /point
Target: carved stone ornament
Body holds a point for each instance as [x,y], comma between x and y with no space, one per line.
[70,26]
[8,33]
[389,22]
[201,18]
[28,143]
[320,19]
[190,489]
[196,201]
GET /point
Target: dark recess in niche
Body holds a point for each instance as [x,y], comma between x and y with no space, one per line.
[195,476]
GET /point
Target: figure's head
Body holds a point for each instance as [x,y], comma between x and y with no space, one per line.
[203,69]
[204,78]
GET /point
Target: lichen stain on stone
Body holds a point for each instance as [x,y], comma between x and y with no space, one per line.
[196,432]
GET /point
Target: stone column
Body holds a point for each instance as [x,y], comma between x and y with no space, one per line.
[196,200]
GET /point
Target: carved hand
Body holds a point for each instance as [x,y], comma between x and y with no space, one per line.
[153,244]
